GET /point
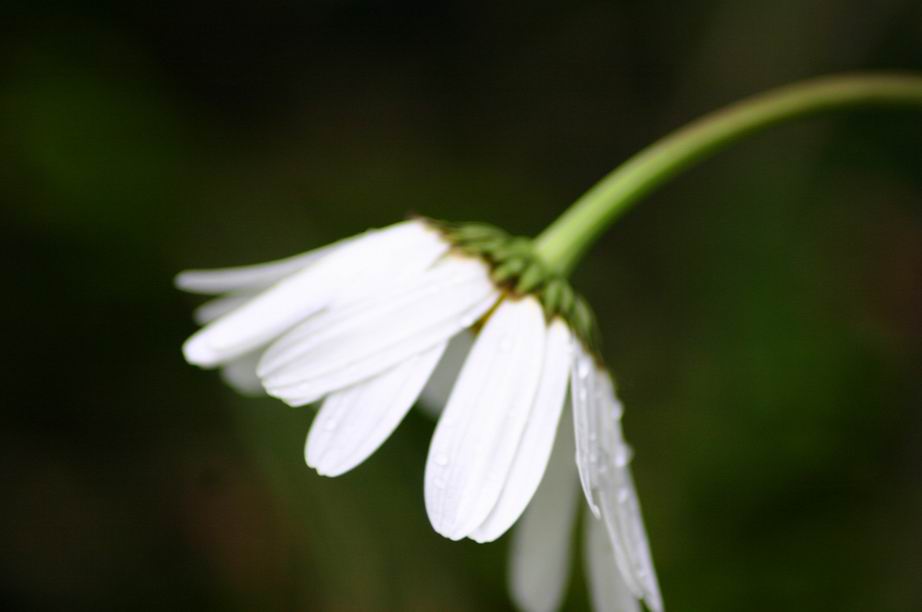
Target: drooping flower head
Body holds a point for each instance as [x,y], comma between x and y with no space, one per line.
[362,325]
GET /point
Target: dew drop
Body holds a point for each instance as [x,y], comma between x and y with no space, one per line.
[623,495]
[582,394]
[623,455]
[582,369]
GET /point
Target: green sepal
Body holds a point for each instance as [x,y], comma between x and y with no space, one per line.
[516,269]
[551,296]
[509,270]
[531,277]
[476,231]
[567,298]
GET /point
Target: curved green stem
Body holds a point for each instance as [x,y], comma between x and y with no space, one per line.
[564,241]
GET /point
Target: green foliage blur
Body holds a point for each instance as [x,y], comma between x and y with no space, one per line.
[763,313]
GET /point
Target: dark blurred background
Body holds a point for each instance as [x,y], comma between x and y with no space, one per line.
[763,313]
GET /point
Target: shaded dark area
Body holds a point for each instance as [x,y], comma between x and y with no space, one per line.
[763,313]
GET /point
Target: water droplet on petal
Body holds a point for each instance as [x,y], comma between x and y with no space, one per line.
[623,495]
[623,455]
[582,369]
[582,394]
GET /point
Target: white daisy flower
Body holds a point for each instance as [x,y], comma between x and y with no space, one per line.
[363,324]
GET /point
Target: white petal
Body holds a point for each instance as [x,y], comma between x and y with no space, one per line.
[603,459]
[607,589]
[452,273]
[435,394]
[354,422]
[220,306]
[583,381]
[475,440]
[240,375]
[254,277]
[379,334]
[541,541]
[620,504]
[308,291]
[622,517]
[533,451]
[415,252]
